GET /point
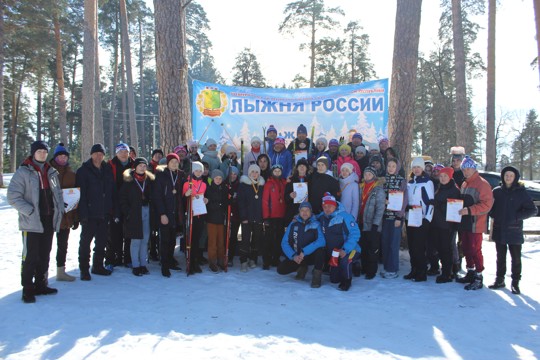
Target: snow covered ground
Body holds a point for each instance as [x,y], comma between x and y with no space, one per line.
[261,315]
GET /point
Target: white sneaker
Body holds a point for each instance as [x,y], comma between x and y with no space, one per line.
[383,272]
[244,267]
[252,264]
[390,275]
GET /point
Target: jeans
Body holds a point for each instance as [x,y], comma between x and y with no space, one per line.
[139,247]
[391,238]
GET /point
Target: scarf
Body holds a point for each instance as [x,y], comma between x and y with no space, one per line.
[368,186]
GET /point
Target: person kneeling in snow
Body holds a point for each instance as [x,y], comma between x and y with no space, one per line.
[341,235]
[303,244]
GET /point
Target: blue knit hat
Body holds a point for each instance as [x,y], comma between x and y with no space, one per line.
[120,147]
[234,169]
[270,129]
[357,136]
[305,204]
[333,142]
[301,130]
[60,150]
[468,163]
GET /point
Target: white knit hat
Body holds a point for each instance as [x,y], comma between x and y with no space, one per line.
[418,161]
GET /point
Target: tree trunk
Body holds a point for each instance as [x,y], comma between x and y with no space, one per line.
[133,137]
[462,120]
[1,93]
[124,137]
[98,114]
[112,116]
[39,116]
[312,69]
[141,85]
[89,77]
[62,110]
[491,145]
[537,21]
[172,73]
[403,86]
[72,100]
[16,100]
[52,130]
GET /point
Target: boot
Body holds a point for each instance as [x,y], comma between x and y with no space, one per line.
[345,285]
[85,275]
[433,271]
[213,267]
[357,268]
[136,271]
[252,264]
[499,283]
[420,276]
[165,272]
[244,267]
[196,267]
[45,290]
[411,275]
[301,272]
[477,283]
[316,279]
[62,276]
[467,279]
[28,295]
[442,279]
[100,270]
[515,287]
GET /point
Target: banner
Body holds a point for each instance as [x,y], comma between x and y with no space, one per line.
[229,113]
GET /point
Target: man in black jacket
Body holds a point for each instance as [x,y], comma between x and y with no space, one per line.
[95,180]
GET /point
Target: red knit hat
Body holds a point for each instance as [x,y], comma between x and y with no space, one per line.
[448,171]
[328,199]
[171,156]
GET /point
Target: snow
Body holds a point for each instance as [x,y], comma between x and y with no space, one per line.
[262,315]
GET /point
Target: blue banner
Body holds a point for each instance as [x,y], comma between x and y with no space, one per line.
[229,114]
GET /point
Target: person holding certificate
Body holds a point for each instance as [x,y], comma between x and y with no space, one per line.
[301,178]
[420,198]
[442,230]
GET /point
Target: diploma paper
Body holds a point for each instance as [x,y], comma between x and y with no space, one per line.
[300,154]
[71,198]
[301,190]
[198,206]
[395,200]
[452,210]
[415,216]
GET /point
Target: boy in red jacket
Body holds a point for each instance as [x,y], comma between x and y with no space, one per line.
[274,209]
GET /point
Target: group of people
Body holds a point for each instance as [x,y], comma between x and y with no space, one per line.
[335,205]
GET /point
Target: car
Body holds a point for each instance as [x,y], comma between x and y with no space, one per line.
[532,188]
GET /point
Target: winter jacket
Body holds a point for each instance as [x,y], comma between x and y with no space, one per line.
[374,206]
[97,191]
[283,158]
[315,154]
[273,204]
[131,202]
[250,158]
[164,200]
[217,203]
[348,159]
[67,179]
[232,189]
[24,192]
[458,177]
[395,183]
[363,163]
[198,187]
[340,231]
[302,237]
[212,159]
[292,207]
[442,194]
[510,207]
[296,145]
[350,194]
[249,201]
[226,163]
[420,192]
[118,175]
[320,184]
[478,198]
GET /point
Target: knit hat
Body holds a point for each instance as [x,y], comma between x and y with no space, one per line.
[437,168]
[157,151]
[216,173]
[418,161]
[302,161]
[60,150]
[328,199]
[210,141]
[305,204]
[384,140]
[333,142]
[370,169]
[234,170]
[255,139]
[324,160]
[270,129]
[279,140]
[360,149]
[120,147]
[97,148]
[346,147]
[357,135]
[191,143]
[254,168]
[468,163]
[301,130]
[448,171]
[230,149]
[38,145]
[348,166]
[138,161]
[376,157]
[171,156]
[321,140]
[179,148]
[163,161]
[197,165]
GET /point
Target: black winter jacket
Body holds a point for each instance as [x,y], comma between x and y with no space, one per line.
[132,201]
[97,191]
[320,184]
[442,194]
[165,202]
[217,203]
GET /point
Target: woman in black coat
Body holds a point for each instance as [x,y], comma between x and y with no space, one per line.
[321,183]
[511,206]
[135,197]
[301,174]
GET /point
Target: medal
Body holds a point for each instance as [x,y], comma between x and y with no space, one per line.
[174,191]
[256,196]
[196,196]
[255,189]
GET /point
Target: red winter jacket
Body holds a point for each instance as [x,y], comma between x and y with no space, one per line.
[273,201]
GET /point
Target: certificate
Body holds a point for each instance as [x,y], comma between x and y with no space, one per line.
[415,216]
[71,198]
[198,206]
[452,210]
[300,154]
[301,190]
[395,200]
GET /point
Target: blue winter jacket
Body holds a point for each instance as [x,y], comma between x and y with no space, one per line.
[284,159]
[340,230]
[302,236]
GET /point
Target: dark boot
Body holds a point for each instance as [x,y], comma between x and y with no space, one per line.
[467,279]
[477,283]
[85,275]
[357,268]
[28,295]
[433,271]
[165,271]
[515,287]
[442,279]
[411,275]
[301,272]
[499,283]
[316,279]
[45,290]
[345,285]
[420,276]
[100,270]
[136,271]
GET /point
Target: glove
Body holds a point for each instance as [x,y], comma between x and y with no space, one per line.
[116,220]
[75,226]
[84,221]
[374,228]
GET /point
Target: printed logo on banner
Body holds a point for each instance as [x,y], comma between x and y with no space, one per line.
[211,102]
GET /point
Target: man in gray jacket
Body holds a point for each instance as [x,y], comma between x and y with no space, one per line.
[34,191]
